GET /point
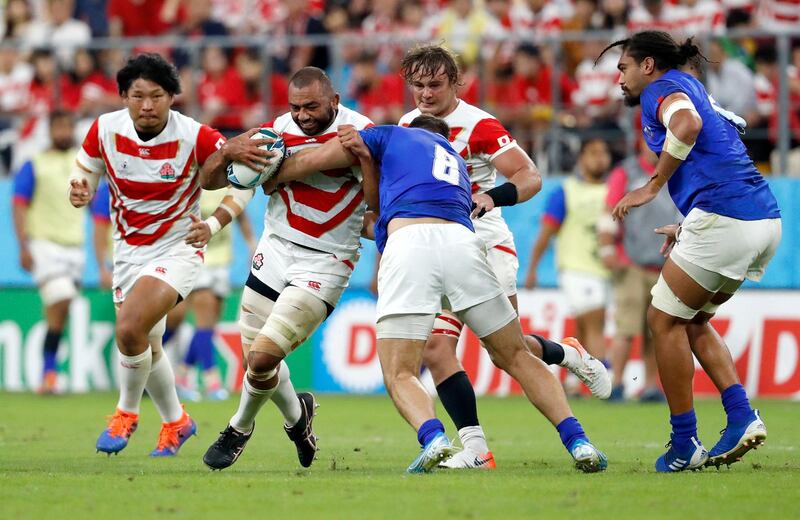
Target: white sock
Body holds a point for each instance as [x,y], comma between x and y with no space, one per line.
[473,439]
[161,387]
[132,378]
[571,356]
[250,403]
[285,398]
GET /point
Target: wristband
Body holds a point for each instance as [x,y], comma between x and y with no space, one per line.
[213,225]
[504,195]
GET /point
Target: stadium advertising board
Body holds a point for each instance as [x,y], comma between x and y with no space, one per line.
[759,327]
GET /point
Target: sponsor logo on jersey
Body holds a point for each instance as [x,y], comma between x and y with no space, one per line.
[167,172]
[648,131]
[161,270]
[314,285]
[258,261]
[144,152]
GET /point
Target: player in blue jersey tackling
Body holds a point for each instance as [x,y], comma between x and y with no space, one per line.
[730,231]
[432,259]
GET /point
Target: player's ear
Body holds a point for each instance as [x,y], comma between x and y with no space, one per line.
[335,100]
[648,65]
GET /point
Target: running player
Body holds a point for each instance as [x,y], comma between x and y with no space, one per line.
[150,156]
[731,230]
[302,265]
[432,73]
[432,258]
[50,235]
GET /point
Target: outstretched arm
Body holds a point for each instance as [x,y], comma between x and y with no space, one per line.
[351,140]
[329,156]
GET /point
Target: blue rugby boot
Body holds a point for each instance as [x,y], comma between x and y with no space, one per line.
[738,439]
[121,426]
[693,457]
[437,450]
[588,458]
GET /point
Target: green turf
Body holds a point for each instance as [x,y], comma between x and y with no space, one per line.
[48,467]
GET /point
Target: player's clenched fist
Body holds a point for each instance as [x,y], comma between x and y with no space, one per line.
[351,140]
[79,193]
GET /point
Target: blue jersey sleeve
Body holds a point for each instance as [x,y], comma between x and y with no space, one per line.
[555,210]
[24,183]
[654,95]
[100,208]
[376,139]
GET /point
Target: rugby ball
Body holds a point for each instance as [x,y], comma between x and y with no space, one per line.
[243,177]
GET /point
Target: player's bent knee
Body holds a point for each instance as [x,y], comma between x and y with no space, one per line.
[57,290]
[665,301]
[295,315]
[262,366]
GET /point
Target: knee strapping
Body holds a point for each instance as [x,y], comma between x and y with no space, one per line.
[58,289]
[296,314]
[262,376]
[666,301]
[255,309]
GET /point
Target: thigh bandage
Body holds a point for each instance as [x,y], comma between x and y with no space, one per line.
[446,324]
[295,315]
[405,326]
[666,301]
[58,289]
[253,313]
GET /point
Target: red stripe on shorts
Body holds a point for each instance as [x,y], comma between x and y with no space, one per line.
[506,250]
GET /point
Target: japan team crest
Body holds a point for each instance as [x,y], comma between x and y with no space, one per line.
[258,261]
[167,172]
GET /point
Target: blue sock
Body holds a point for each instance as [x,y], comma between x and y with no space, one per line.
[204,355]
[684,427]
[571,431]
[736,404]
[168,333]
[190,358]
[429,430]
[49,361]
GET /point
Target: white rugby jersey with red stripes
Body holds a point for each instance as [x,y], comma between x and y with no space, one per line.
[153,184]
[324,211]
[479,137]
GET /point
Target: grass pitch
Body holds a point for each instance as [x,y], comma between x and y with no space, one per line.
[48,467]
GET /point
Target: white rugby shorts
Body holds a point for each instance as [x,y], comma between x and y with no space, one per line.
[429,267]
[214,278]
[51,261]
[179,268]
[736,249]
[278,262]
[585,292]
[503,260]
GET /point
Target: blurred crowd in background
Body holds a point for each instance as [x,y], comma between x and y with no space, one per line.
[65,53]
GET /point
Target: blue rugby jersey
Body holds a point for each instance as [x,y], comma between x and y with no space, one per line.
[718,176]
[421,176]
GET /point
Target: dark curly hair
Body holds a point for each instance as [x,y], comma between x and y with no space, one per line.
[665,51]
[151,67]
[427,60]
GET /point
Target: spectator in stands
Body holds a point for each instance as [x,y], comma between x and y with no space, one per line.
[615,16]
[299,22]
[730,81]
[632,252]
[702,17]
[15,79]
[197,23]
[250,67]
[758,120]
[463,25]
[17,18]
[95,91]
[597,99]
[378,96]
[530,107]
[572,213]
[50,234]
[585,17]
[535,19]
[656,14]
[93,13]
[778,15]
[59,31]
[129,18]
[221,92]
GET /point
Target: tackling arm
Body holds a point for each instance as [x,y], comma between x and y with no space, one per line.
[329,156]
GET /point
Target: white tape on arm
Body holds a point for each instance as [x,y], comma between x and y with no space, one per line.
[675,147]
[79,173]
[678,104]
[239,198]
[213,225]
